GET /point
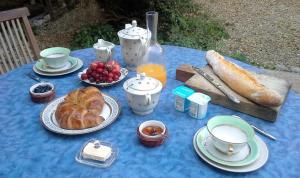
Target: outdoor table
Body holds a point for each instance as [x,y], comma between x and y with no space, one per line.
[29,150]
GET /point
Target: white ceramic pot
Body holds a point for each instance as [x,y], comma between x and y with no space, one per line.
[104,50]
[134,42]
[142,93]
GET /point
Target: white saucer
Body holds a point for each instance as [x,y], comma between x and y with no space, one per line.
[261,160]
[73,69]
[241,155]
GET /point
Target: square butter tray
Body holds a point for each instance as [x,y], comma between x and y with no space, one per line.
[81,158]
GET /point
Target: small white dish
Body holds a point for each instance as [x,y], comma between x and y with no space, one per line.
[260,162]
[75,68]
[124,73]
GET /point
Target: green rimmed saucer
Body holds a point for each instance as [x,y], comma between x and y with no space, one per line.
[250,158]
[41,65]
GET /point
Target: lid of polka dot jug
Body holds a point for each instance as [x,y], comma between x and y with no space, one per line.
[132,31]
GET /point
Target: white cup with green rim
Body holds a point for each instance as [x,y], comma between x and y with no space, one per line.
[55,57]
[229,133]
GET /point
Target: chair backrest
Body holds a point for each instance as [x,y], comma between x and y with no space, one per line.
[18,45]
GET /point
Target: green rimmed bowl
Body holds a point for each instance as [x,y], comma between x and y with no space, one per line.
[249,159]
[230,134]
[55,57]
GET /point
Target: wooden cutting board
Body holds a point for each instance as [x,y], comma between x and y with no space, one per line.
[186,74]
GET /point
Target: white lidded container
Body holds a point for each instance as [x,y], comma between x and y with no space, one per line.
[198,105]
[142,93]
[104,50]
[134,42]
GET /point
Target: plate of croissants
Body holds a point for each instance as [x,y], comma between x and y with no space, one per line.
[81,111]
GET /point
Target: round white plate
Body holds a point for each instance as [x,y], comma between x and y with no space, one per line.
[73,69]
[41,66]
[123,71]
[262,159]
[110,112]
[241,155]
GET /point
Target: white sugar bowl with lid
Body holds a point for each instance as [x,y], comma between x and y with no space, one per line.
[142,93]
[134,41]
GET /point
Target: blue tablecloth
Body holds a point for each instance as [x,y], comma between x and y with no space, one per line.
[29,150]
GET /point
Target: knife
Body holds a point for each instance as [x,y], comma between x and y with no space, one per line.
[216,84]
[263,132]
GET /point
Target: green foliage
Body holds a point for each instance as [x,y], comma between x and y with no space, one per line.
[181,22]
[239,56]
[87,36]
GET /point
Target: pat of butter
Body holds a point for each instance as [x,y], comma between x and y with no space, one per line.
[100,153]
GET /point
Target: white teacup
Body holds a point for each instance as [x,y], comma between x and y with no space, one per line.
[229,133]
[104,50]
[55,57]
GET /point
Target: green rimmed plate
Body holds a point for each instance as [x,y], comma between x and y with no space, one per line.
[54,74]
[41,65]
[250,158]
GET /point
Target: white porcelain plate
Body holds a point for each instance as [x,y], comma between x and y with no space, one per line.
[71,70]
[241,155]
[124,73]
[41,65]
[110,112]
[261,160]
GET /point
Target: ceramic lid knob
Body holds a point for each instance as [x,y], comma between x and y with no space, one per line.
[134,23]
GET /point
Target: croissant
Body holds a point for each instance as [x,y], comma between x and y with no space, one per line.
[80,109]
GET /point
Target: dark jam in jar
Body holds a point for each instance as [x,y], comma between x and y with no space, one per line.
[152,130]
[42,89]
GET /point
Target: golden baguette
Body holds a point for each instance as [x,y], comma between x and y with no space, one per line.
[241,81]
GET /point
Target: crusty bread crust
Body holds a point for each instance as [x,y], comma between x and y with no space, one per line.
[241,81]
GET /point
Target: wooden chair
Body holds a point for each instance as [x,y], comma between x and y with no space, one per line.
[18,45]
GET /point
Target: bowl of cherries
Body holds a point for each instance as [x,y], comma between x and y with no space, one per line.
[103,73]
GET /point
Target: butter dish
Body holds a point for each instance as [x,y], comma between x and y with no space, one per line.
[97,153]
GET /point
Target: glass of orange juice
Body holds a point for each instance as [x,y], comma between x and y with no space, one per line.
[157,71]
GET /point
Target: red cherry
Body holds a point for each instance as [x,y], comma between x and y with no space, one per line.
[97,76]
[89,71]
[118,73]
[114,71]
[110,75]
[115,78]
[100,65]
[109,80]
[84,76]
[117,67]
[99,70]
[98,80]
[94,74]
[93,66]
[105,73]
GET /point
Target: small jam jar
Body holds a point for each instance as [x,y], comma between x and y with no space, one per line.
[152,133]
[40,97]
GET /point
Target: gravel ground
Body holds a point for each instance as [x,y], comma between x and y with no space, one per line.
[61,31]
[267,32]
